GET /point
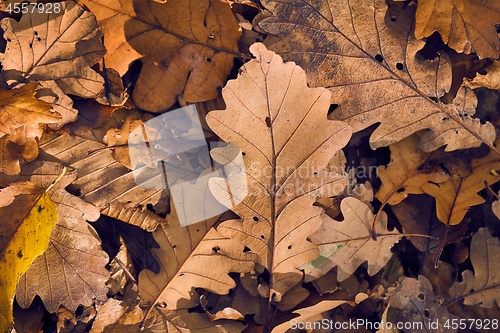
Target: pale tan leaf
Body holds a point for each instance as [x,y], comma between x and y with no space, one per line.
[280,125]
[293,297]
[176,244]
[116,316]
[371,66]
[309,314]
[348,244]
[186,47]
[207,266]
[56,48]
[481,287]
[465,25]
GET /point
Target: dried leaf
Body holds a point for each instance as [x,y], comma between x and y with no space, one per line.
[490,80]
[371,66]
[116,316]
[349,243]
[27,218]
[187,47]
[22,120]
[72,270]
[306,314]
[176,244]
[457,194]
[403,175]
[56,48]
[417,215]
[458,24]
[495,206]
[413,301]
[208,267]
[105,183]
[29,320]
[483,286]
[286,149]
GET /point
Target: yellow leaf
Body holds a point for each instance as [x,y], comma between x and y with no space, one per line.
[25,226]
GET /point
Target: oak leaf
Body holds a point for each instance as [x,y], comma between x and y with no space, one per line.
[481,287]
[458,24]
[187,47]
[116,316]
[310,313]
[413,301]
[457,194]
[105,183]
[289,213]
[495,206]
[417,215]
[55,49]
[403,175]
[72,270]
[490,80]
[372,67]
[348,244]
[280,125]
[27,218]
[207,266]
[22,120]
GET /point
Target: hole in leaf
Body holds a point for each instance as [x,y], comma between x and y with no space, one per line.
[268,122]
[401,189]
[393,19]
[421,296]
[399,66]
[243,153]
[379,57]
[289,247]
[216,249]
[427,314]
[255,218]
[246,249]
[208,59]
[332,108]
[262,237]
[174,246]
